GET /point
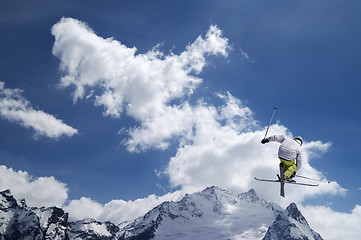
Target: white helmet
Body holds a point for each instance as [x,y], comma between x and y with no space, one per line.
[299,138]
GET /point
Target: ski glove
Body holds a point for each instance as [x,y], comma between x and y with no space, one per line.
[264,140]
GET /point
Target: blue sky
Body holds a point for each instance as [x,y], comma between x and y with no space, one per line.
[302,56]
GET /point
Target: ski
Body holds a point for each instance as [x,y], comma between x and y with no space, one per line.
[296,183]
[303,184]
[282,180]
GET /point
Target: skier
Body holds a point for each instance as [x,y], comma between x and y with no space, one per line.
[289,151]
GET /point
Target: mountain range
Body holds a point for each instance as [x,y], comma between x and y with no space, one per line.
[213,213]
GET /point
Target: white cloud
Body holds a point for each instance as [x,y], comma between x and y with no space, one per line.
[225,150]
[15,108]
[219,145]
[333,225]
[141,85]
[315,148]
[42,191]
[48,192]
[181,121]
[117,211]
[155,132]
[84,208]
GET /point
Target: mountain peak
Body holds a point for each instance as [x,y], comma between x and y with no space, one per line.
[6,192]
[252,192]
[211,189]
[251,195]
[7,200]
[291,224]
[293,212]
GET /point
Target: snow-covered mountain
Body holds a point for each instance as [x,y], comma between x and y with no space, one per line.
[210,214]
[19,222]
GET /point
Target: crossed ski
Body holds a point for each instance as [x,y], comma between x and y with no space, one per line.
[282,181]
[296,183]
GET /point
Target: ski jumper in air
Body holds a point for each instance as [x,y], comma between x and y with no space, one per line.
[289,153]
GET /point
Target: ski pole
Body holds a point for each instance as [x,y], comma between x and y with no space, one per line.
[270,122]
[312,179]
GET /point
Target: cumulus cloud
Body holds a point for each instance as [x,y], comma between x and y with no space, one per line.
[315,148]
[334,225]
[218,145]
[141,85]
[117,211]
[42,191]
[48,192]
[182,121]
[155,132]
[225,150]
[16,108]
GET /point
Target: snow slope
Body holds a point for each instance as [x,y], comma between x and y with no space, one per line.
[218,214]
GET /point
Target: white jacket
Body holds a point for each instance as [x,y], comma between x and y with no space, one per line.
[289,150]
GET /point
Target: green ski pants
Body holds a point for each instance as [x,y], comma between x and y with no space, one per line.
[289,167]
